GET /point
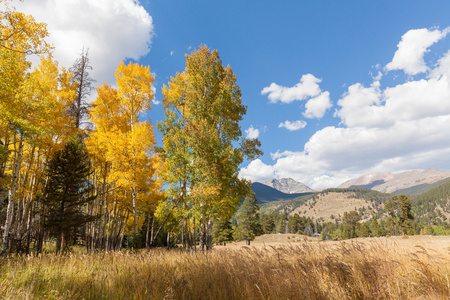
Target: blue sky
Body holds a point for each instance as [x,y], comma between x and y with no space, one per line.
[366,84]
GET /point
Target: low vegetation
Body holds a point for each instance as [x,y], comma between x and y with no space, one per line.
[307,270]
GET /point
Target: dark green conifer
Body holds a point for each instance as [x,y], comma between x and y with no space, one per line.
[405,216]
[66,192]
[222,232]
[374,227]
[248,220]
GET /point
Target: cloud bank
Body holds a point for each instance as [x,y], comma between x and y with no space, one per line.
[113,30]
[393,129]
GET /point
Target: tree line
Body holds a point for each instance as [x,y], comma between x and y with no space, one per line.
[92,173]
[248,223]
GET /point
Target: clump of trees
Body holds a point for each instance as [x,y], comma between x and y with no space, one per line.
[101,184]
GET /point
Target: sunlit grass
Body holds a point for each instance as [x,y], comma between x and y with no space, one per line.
[348,270]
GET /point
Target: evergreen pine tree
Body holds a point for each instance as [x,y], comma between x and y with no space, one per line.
[374,227]
[248,220]
[405,216]
[363,230]
[348,228]
[222,232]
[66,192]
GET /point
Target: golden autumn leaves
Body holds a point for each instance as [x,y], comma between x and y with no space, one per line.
[191,181]
[121,145]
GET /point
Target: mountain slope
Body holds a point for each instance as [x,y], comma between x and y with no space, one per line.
[433,206]
[409,182]
[266,193]
[331,204]
[288,186]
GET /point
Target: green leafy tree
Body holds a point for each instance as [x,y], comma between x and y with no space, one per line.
[248,220]
[222,232]
[66,192]
[201,132]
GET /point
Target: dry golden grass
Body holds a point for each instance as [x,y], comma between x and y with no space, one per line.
[370,269]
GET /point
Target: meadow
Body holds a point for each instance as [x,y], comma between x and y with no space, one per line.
[271,268]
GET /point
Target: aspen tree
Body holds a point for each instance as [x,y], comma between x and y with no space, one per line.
[203,109]
[123,144]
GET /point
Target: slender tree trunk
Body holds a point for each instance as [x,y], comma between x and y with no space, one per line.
[209,235]
[195,241]
[116,229]
[147,233]
[187,234]
[27,249]
[159,230]
[23,222]
[134,196]
[182,236]
[123,231]
[201,238]
[152,233]
[11,195]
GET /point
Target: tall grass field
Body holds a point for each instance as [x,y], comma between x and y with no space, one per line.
[305,270]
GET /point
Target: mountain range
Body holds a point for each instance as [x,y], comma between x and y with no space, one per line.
[365,194]
[398,183]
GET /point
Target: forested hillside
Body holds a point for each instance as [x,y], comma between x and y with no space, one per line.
[433,207]
[363,199]
[265,194]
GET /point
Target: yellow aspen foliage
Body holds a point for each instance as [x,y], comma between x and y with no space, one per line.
[20,32]
[134,89]
[125,144]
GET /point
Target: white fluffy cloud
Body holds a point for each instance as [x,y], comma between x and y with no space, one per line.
[307,87]
[257,171]
[292,126]
[252,133]
[113,30]
[395,128]
[411,49]
[317,106]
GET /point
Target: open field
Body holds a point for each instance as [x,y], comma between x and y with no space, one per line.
[273,267]
[435,245]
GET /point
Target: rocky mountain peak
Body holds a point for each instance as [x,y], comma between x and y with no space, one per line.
[288,186]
